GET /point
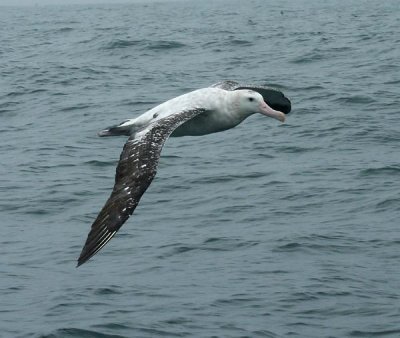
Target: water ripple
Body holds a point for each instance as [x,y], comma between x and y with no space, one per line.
[145,44]
[79,333]
[211,244]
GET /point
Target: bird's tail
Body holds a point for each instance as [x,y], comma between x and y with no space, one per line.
[116,130]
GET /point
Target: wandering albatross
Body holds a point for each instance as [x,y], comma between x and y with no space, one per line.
[208,110]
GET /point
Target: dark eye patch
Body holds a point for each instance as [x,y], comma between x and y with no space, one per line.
[251,99]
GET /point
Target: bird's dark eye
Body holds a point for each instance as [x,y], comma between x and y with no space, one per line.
[251,99]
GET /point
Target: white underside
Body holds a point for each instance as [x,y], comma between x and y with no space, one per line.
[220,113]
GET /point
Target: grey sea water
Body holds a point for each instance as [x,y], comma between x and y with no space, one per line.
[266,230]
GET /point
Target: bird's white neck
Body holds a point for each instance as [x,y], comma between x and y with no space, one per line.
[233,110]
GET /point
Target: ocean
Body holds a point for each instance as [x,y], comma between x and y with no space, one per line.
[265,230]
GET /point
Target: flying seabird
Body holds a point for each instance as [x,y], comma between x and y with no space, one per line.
[208,110]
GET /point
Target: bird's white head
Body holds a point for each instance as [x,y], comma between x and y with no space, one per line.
[250,102]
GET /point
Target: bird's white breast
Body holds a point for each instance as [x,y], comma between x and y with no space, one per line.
[216,101]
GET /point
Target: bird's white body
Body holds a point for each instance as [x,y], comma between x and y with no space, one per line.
[222,112]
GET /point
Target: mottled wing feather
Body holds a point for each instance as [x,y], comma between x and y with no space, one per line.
[273,97]
[135,171]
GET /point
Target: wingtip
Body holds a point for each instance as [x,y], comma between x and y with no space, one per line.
[83,258]
[80,262]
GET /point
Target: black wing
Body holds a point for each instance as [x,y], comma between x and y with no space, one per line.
[135,171]
[273,97]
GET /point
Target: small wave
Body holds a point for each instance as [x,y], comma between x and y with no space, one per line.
[177,321]
[123,43]
[388,204]
[97,163]
[24,91]
[236,300]
[108,291]
[165,45]
[78,333]
[146,44]
[90,70]
[318,243]
[112,326]
[365,36]
[289,247]
[387,170]
[240,42]
[381,333]
[211,244]
[311,88]
[355,99]
[76,107]
[394,82]
[230,178]
[308,58]
[64,30]
[296,150]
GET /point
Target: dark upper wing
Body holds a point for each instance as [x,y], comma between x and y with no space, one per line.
[273,97]
[135,171]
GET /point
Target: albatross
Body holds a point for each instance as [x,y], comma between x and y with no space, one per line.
[204,111]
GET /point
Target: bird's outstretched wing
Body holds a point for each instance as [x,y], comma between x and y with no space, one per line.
[135,171]
[273,97]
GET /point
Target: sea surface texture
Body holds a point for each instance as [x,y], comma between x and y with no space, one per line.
[265,230]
